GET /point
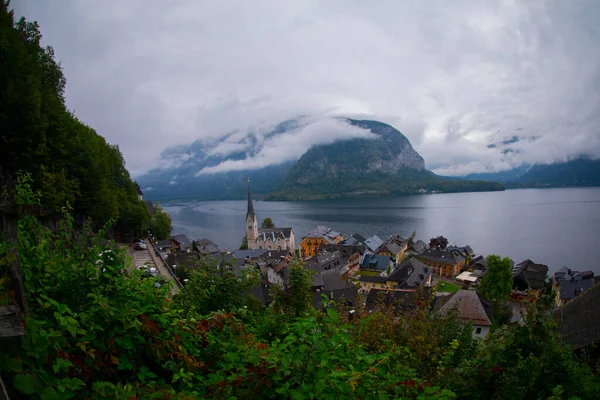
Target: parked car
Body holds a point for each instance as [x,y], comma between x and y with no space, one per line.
[140,246]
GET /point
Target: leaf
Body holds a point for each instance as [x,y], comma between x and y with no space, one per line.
[50,394]
[332,313]
[24,383]
[114,359]
[14,365]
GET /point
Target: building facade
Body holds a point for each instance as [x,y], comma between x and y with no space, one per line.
[266,238]
[309,246]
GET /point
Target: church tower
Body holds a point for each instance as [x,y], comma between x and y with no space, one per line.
[251,223]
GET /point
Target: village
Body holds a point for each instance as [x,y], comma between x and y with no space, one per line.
[394,272]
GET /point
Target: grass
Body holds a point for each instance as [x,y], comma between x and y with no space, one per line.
[447,287]
[368,273]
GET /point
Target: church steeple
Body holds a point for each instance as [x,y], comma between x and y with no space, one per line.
[251,223]
[250,206]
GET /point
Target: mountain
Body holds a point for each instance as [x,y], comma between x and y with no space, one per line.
[581,171]
[578,172]
[179,179]
[386,164]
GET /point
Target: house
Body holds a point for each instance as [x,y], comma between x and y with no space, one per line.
[266,238]
[464,251]
[395,247]
[571,283]
[416,247]
[181,243]
[445,263]
[409,275]
[439,242]
[206,247]
[528,280]
[352,253]
[400,300]
[374,243]
[324,261]
[163,245]
[470,309]
[309,246]
[378,263]
[335,287]
[579,320]
[182,259]
[478,264]
[273,266]
[469,277]
[354,239]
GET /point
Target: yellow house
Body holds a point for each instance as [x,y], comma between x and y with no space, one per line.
[408,275]
[395,248]
[309,246]
[444,263]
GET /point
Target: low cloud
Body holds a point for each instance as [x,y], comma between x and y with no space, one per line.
[454,77]
[291,145]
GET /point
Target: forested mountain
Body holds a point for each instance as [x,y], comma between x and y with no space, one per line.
[385,165]
[581,171]
[68,161]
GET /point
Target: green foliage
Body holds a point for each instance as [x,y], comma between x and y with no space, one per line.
[497,283]
[67,161]
[525,362]
[267,223]
[244,245]
[297,300]
[160,224]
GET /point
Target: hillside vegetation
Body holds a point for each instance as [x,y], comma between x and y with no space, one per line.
[69,162]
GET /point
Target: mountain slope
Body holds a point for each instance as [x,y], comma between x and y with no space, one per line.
[387,164]
[578,172]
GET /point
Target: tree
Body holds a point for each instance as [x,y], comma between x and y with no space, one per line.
[297,299]
[160,224]
[267,223]
[244,245]
[497,283]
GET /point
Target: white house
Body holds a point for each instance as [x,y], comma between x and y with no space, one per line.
[470,309]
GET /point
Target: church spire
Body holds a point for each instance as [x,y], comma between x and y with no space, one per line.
[250,206]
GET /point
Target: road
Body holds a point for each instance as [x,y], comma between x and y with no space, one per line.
[148,258]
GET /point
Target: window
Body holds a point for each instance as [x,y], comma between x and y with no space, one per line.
[478,331]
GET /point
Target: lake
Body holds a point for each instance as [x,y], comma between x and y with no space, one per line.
[556,227]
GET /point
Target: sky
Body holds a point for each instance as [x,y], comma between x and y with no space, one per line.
[475,85]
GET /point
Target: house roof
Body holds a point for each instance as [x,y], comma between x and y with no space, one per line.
[374,279]
[375,262]
[579,319]
[438,255]
[163,243]
[183,240]
[205,246]
[346,249]
[464,251]
[318,262]
[374,243]
[571,288]
[348,293]
[392,247]
[469,307]
[274,233]
[325,233]
[530,274]
[410,273]
[418,246]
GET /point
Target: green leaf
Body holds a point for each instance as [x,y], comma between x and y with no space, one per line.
[50,394]
[332,313]
[14,365]
[24,383]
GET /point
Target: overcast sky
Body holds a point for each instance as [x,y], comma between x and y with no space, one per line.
[458,78]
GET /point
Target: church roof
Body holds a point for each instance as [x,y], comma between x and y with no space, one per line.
[274,233]
[250,206]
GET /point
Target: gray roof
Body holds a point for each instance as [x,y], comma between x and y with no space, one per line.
[163,243]
[529,274]
[392,247]
[205,246]
[318,262]
[411,273]
[376,262]
[374,242]
[274,233]
[345,249]
[399,299]
[464,251]
[418,246]
[183,240]
[469,307]
[441,256]
[324,232]
[579,319]
[570,289]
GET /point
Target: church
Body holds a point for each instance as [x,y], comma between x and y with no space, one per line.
[267,238]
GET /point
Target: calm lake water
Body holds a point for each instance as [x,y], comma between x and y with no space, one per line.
[556,227]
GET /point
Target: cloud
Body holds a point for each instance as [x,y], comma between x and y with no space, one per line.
[454,77]
[292,145]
